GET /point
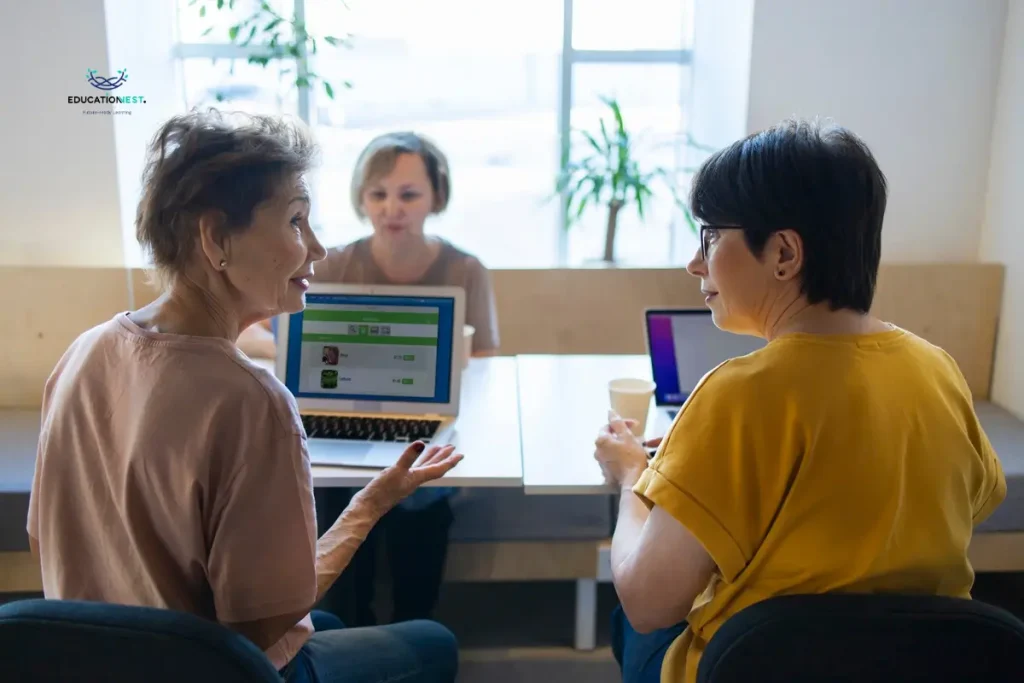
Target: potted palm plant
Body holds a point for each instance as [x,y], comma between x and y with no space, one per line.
[608,175]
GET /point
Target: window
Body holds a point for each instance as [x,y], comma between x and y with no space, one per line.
[211,26]
[485,96]
[498,90]
[645,25]
[654,93]
[235,82]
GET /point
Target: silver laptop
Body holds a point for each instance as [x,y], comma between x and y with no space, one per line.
[373,369]
[684,345]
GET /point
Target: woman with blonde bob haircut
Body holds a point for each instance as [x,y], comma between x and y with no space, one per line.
[399,181]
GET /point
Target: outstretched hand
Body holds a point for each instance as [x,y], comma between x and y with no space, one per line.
[416,466]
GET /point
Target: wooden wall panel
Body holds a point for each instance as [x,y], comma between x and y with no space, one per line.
[585,310]
[43,310]
[144,288]
[955,306]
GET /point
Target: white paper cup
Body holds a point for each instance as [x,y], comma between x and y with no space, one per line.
[631,399]
[467,344]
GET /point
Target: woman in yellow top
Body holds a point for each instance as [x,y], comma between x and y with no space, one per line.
[845,456]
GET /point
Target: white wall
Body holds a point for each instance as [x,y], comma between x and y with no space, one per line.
[58,179]
[721,70]
[1003,235]
[147,54]
[916,79]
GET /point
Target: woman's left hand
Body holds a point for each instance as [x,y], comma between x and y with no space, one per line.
[620,453]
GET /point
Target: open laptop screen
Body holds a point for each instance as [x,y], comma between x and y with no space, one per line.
[371,347]
[685,345]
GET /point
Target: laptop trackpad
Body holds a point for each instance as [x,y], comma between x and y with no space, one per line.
[323,452]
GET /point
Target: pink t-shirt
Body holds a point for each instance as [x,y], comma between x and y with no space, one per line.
[172,472]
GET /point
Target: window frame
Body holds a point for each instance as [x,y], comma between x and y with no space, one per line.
[570,57]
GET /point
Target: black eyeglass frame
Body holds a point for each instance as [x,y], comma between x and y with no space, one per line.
[703,229]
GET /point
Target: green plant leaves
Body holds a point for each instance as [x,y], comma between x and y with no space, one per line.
[606,171]
[265,27]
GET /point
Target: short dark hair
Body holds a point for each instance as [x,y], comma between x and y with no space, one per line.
[819,180]
[206,160]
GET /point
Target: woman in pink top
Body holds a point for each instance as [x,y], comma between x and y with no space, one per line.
[172,471]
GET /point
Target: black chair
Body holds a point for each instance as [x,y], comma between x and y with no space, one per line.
[51,641]
[866,638]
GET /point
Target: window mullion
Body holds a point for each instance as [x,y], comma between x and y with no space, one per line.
[564,125]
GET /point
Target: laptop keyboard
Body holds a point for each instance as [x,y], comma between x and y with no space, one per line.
[368,428]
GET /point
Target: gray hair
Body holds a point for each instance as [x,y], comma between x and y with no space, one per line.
[206,161]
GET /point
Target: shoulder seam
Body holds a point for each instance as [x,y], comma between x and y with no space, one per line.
[274,399]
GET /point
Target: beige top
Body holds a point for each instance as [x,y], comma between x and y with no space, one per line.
[172,472]
[354,264]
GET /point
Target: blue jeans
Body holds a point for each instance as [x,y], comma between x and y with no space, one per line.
[410,652]
[640,655]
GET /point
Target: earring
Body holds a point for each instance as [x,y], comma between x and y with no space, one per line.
[780,273]
[223,263]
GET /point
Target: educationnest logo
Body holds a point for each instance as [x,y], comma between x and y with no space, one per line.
[112,83]
[107,84]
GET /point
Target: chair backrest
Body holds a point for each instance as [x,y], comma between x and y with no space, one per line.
[47,641]
[843,637]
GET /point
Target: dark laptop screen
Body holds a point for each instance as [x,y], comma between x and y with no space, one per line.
[684,346]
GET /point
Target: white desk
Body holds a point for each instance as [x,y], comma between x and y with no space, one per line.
[487,432]
[563,402]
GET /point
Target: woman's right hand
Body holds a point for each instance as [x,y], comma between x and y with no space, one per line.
[416,466]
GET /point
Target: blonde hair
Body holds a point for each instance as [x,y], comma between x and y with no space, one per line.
[379,157]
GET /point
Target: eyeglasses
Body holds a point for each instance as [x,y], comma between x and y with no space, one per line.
[709,233]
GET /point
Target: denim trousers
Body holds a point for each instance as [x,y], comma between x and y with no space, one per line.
[640,656]
[410,652]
